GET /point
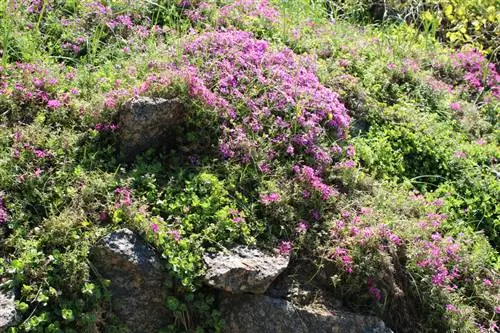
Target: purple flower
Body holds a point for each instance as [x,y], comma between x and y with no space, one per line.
[455,106]
[285,248]
[451,308]
[124,196]
[53,104]
[350,151]
[155,228]
[37,172]
[487,282]
[268,198]
[302,227]
[175,235]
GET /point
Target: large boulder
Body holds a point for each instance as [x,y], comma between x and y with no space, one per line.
[137,280]
[147,122]
[243,270]
[247,313]
[8,313]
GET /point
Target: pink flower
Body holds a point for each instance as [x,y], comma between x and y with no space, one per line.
[175,235]
[374,291]
[438,202]
[459,154]
[109,103]
[125,197]
[268,198]
[302,228]
[155,228]
[366,211]
[451,308]
[455,106]
[285,248]
[350,151]
[53,104]
[38,172]
[487,282]
[480,141]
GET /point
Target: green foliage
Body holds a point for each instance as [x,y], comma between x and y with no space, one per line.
[459,23]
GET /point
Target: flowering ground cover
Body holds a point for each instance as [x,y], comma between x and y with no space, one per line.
[371,151]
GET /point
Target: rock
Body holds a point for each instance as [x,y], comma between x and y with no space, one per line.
[146,122]
[243,270]
[137,278]
[319,319]
[8,313]
[247,313]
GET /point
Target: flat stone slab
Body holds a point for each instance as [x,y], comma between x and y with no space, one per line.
[247,313]
[243,270]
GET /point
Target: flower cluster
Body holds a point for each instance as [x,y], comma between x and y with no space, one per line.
[440,256]
[33,85]
[271,104]
[233,14]
[354,230]
[479,74]
[307,175]
[254,9]
[124,197]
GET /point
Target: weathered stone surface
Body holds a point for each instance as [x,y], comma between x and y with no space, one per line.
[137,278]
[8,313]
[146,122]
[243,270]
[259,313]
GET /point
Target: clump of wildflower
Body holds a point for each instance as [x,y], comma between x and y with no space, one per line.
[256,123]
[236,12]
[479,74]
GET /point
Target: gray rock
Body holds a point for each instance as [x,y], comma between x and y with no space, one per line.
[146,122]
[259,313]
[137,278]
[243,270]
[8,313]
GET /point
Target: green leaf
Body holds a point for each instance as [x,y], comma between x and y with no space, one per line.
[67,314]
